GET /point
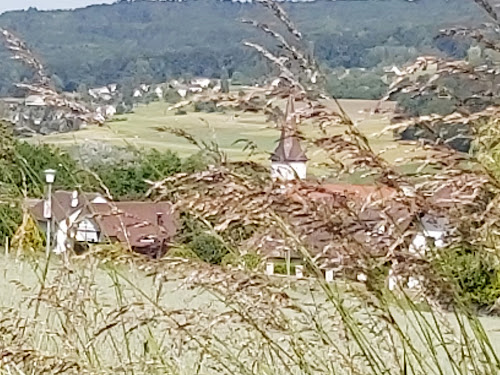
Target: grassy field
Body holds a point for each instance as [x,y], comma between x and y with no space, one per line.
[139,129]
[122,317]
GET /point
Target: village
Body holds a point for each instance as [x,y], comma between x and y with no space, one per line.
[249,187]
[75,220]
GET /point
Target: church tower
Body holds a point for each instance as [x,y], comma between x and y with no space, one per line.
[289,162]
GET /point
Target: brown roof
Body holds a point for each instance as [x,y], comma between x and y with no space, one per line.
[134,222]
[289,148]
[375,203]
[360,191]
[376,215]
[61,204]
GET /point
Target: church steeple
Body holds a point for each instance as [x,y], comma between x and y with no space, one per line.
[289,160]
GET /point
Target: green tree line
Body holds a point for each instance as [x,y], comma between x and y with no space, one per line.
[146,42]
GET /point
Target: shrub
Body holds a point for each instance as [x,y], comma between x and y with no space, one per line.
[181,251]
[11,217]
[208,107]
[171,96]
[474,274]
[195,163]
[208,248]
[280,268]
[129,181]
[250,261]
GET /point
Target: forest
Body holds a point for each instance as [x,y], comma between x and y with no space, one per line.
[150,42]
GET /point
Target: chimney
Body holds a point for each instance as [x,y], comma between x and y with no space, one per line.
[74,199]
[159,218]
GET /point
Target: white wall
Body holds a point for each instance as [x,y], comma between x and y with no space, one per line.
[288,171]
[62,240]
[87,231]
[433,230]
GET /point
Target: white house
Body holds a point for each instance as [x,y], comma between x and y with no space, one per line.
[107,111]
[204,83]
[100,93]
[35,101]
[433,229]
[82,219]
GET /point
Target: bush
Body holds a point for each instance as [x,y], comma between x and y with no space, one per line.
[250,261]
[32,160]
[208,107]
[208,248]
[182,252]
[280,268]
[11,217]
[129,181]
[474,274]
[195,163]
[171,96]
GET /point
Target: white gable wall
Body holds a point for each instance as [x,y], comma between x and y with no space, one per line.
[288,171]
[87,231]
[62,240]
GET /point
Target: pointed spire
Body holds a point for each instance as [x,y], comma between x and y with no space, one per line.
[290,117]
[289,148]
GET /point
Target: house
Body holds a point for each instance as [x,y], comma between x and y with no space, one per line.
[80,219]
[159,92]
[329,241]
[204,83]
[103,93]
[35,101]
[289,161]
[106,111]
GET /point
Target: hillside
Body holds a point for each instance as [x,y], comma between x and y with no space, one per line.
[150,41]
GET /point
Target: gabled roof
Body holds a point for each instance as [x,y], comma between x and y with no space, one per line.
[289,148]
[134,222]
[61,204]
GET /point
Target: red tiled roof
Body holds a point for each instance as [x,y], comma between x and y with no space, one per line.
[373,192]
[134,222]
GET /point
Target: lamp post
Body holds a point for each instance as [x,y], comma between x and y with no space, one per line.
[50,176]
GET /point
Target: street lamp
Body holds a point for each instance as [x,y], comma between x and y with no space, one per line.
[50,176]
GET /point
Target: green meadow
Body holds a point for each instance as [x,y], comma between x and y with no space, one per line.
[140,129]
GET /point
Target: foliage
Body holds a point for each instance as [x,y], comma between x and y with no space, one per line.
[250,261]
[357,84]
[281,269]
[28,236]
[129,181]
[183,252]
[208,107]
[136,51]
[474,273]
[11,216]
[208,248]
[196,236]
[194,163]
[94,155]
